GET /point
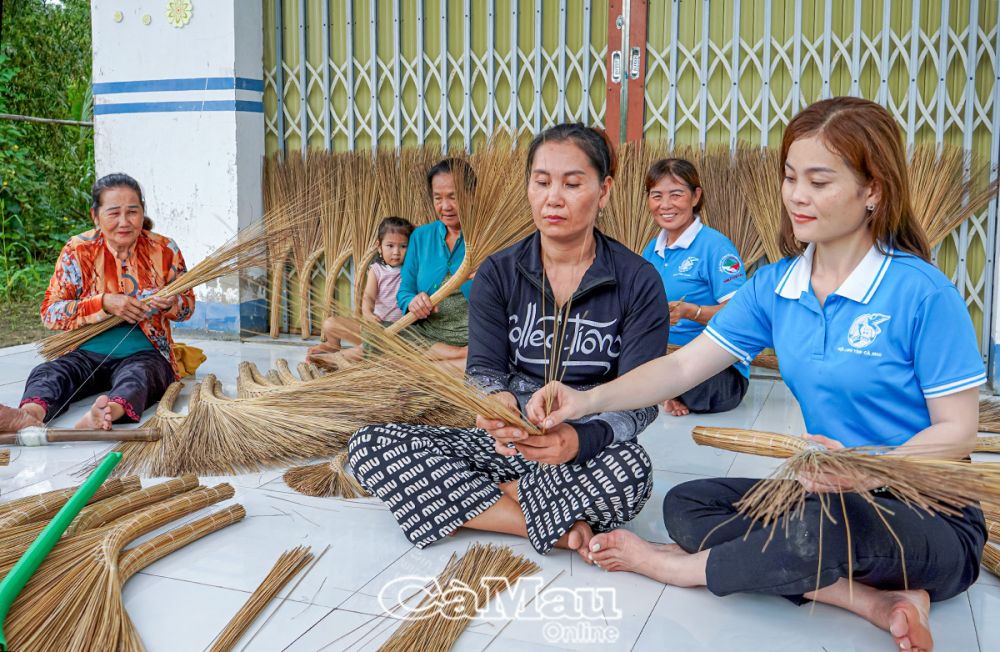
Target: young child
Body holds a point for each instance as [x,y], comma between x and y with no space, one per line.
[378,302]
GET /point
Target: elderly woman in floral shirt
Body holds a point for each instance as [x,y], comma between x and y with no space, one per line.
[103,272]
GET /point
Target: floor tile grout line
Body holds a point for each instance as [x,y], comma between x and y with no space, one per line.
[648,616]
[972,614]
[309,629]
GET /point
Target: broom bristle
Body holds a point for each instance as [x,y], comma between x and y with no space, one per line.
[626,217]
[989,415]
[991,559]
[289,564]
[726,208]
[327,479]
[450,615]
[987,445]
[941,192]
[4,456]
[760,186]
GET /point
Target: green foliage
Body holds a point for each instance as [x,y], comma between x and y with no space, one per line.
[45,170]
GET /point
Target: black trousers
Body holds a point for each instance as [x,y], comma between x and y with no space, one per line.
[135,382]
[940,554]
[720,393]
[434,479]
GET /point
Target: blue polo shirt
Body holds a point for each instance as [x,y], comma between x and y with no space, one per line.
[701,267]
[428,262]
[864,364]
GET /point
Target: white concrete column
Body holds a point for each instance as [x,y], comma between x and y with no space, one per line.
[180,108]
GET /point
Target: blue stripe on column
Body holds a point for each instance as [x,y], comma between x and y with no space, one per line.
[186,84]
[173,107]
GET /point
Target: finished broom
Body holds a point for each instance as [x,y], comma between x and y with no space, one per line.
[626,217]
[759,177]
[726,208]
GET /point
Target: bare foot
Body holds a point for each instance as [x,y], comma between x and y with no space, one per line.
[98,417]
[622,550]
[13,419]
[578,538]
[675,407]
[905,615]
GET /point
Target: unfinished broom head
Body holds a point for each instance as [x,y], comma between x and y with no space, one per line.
[759,176]
[947,185]
[931,485]
[754,442]
[328,479]
[439,618]
[4,456]
[726,207]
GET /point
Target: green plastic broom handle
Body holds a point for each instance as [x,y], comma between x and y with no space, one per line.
[33,557]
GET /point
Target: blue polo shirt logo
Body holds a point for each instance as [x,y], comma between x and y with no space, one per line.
[730,264]
[865,329]
[686,266]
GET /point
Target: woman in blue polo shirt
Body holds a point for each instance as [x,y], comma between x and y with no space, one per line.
[878,348]
[701,270]
[435,252]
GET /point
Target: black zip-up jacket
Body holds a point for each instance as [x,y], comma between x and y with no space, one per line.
[618,321]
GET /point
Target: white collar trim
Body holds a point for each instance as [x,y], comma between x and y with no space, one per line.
[860,286]
[683,242]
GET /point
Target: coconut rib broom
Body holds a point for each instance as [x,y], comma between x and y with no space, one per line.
[466,577]
[626,217]
[277,220]
[307,237]
[759,178]
[43,506]
[4,456]
[73,601]
[725,205]
[942,193]
[336,226]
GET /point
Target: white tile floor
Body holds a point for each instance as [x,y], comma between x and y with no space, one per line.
[335,607]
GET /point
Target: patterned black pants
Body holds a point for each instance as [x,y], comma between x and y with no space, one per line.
[434,479]
[135,382]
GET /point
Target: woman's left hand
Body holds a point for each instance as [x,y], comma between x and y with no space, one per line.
[163,304]
[829,482]
[559,444]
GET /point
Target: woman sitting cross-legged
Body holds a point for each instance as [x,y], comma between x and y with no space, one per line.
[876,345]
[701,271]
[103,272]
[587,475]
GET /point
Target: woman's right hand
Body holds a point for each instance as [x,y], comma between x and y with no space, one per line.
[421,306]
[122,305]
[502,432]
[565,403]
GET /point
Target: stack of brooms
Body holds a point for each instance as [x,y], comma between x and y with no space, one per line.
[74,599]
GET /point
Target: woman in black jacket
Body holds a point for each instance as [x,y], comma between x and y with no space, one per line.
[589,475]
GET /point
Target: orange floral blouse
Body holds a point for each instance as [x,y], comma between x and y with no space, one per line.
[87,269]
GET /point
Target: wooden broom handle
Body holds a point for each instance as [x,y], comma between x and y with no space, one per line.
[58,435]
[449,287]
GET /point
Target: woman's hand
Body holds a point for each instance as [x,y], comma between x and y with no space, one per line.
[501,431]
[163,304]
[421,306]
[681,310]
[566,404]
[822,482]
[122,305]
[558,445]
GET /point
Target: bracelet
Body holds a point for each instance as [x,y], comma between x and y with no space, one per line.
[697,314]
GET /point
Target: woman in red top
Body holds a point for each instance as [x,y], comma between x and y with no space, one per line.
[107,271]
